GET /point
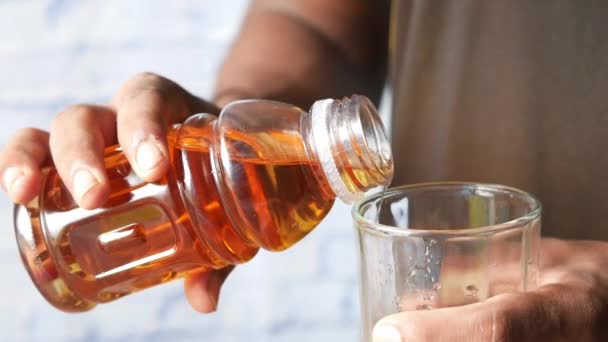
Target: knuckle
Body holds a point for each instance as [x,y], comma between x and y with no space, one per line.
[146,77]
[25,146]
[27,133]
[154,87]
[145,82]
[74,120]
[527,316]
[28,141]
[593,309]
[74,113]
[507,320]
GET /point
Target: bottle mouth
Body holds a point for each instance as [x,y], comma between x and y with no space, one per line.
[371,134]
[353,146]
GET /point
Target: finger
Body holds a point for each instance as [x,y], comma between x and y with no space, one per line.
[20,164]
[77,141]
[145,106]
[203,289]
[552,313]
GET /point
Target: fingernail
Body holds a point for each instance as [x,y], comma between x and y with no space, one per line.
[12,177]
[386,333]
[148,155]
[82,181]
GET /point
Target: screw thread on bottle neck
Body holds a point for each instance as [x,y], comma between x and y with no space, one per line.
[352,146]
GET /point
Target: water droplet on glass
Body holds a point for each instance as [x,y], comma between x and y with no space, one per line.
[436,286]
[424,307]
[471,290]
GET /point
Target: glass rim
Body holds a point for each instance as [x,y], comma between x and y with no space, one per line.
[374,227]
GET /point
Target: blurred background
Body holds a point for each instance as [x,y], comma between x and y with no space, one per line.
[55,53]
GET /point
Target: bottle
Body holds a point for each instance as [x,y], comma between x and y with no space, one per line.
[261,175]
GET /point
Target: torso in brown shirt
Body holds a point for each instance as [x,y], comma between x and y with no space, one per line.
[512,92]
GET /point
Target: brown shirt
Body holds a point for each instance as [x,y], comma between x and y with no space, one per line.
[512,92]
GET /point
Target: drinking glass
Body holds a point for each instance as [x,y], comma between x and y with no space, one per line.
[436,245]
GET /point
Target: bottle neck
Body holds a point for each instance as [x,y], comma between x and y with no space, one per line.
[352,146]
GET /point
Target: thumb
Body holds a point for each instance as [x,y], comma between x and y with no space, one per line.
[551,313]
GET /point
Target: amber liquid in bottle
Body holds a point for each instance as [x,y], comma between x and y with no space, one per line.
[135,243]
[263,175]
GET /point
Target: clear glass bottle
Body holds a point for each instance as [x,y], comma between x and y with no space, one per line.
[261,175]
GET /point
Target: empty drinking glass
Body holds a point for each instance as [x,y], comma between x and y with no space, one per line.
[436,245]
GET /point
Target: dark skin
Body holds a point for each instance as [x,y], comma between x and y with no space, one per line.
[324,49]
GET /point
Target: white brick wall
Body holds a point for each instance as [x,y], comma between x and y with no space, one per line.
[55,53]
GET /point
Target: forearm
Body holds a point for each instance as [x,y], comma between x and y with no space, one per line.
[300,51]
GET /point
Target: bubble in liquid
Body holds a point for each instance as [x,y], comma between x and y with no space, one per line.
[424,307]
[412,273]
[436,286]
[471,290]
